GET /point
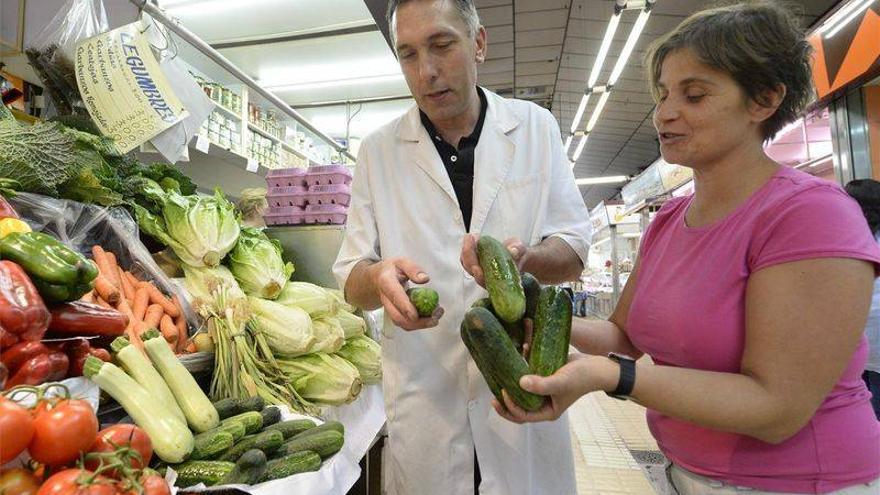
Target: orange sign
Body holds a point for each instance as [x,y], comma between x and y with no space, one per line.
[848,50]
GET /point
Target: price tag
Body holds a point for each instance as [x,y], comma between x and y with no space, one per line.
[252,165]
[202,143]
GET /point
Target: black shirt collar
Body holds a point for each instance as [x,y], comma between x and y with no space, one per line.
[474,136]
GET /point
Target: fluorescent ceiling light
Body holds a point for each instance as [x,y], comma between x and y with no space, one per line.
[568,142]
[580,112]
[346,67]
[338,83]
[612,179]
[630,44]
[834,20]
[861,8]
[603,49]
[580,147]
[597,111]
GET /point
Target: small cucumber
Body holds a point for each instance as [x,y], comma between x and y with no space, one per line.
[248,470]
[292,427]
[532,290]
[271,415]
[236,429]
[208,472]
[268,441]
[485,370]
[227,408]
[502,279]
[328,426]
[210,444]
[516,330]
[255,403]
[424,299]
[300,462]
[252,420]
[549,348]
[325,444]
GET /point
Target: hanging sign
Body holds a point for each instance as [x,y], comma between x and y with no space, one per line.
[123,88]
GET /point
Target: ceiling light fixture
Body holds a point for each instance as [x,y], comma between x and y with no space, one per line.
[580,112]
[603,49]
[580,147]
[834,20]
[598,111]
[612,179]
[629,46]
[337,83]
[568,142]
[858,10]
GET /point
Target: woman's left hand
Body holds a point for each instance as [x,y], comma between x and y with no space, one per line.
[562,389]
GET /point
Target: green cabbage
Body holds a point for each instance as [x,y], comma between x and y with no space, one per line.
[257,264]
[340,298]
[323,378]
[315,300]
[200,229]
[366,355]
[329,336]
[352,325]
[204,283]
[288,330]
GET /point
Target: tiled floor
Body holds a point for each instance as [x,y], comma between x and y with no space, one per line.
[604,432]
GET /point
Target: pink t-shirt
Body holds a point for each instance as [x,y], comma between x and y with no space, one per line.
[689,311]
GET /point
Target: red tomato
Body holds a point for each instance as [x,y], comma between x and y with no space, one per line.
[123,435]
[63,430]
[16,430]
[18,481]
[155,485]
[77,482]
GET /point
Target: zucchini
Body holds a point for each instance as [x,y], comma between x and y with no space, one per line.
[255,403]
[325,443]
[267,441]
[252,421]
[208,472]
[172,440]
[300,462]
[292,427]
[200,413]
[502,279]
[532,290]
[271,415]
[136,364]
[481,364]
[248,470]
[227,408]
[235,428]
[496,353]
[211,444]
[424,299]
[549,349]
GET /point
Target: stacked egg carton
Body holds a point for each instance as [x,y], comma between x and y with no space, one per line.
[317,195]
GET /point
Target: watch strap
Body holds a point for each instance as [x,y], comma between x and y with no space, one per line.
[627,380]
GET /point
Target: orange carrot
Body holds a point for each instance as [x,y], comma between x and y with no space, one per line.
[182,337]
[169,330]
[153,316]
[106,289]
[133,336]
[113,270]
[156,297]
[88,297]
[103,302]
[141,301]
[101,260]
[190,347]
[127,288]
[132,280]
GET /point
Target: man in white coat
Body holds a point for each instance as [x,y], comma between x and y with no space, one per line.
[464,162]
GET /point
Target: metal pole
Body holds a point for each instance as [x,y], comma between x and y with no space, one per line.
[615,267]
[191,38]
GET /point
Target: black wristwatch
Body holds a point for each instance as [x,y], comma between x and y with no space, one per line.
[627,379]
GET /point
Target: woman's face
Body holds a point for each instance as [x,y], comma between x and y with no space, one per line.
[702,115]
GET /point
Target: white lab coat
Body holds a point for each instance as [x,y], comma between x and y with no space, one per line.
[403,204]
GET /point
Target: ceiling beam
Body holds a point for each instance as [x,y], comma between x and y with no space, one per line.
[329,33]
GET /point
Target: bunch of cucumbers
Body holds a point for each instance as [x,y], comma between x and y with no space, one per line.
[493,329]
[252,445]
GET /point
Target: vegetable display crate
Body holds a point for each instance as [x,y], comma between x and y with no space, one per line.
[322,175]
[335,194]
[286,177]
[326,214]
[287,196]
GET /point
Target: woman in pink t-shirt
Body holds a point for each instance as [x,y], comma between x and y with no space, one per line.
[750,296]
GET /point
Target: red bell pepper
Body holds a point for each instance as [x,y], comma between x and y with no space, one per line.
[7,339]
[22,311]
[33,372]
[79,318]
[14,357]
[6,209]
[60,364]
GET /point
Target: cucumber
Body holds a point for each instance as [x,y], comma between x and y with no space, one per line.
[516,330]
[496,352]
[211,444]
[484,303]
[271,415]
[549,349]
[208,472]
[502,279]
[325,443]
[235,428]
[255,403]
[300,462]
[227,408]
[292,427]
[424,299]
[268,441]
[328,426]
[252,420]
[481,365]
[248,470]
[532,290]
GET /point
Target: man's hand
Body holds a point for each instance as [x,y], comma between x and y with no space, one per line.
[389,278]
[471,262]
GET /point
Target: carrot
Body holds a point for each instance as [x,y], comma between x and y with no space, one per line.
[182,337]
[153,316]
[127,287]
[101,260]
[88,297]
[103,302]
[169,330]
[133,336]
[141,301]
[106,289]
[190,347]
[157,297]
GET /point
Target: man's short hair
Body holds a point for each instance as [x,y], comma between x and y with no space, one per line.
[466,10]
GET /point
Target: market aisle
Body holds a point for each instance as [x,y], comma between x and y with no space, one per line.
[614,452]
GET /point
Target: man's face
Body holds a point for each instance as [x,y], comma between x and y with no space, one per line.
[438,57]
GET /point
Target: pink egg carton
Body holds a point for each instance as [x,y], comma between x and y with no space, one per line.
[285,215]
[331,194]
[322,175]
[332,214]
[286,177]
[287,196]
